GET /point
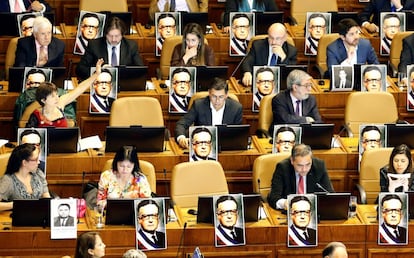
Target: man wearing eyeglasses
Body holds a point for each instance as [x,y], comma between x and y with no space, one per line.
[227,234]
[390,231]
[285,139]
[390,26]
[265,85]
[300,174]
[149,237]
[34,78]
[215,109]
[181,94]
[300,234]
[241,33]
[201,140]
[370,138]
[372,79]
[100,101]
[89,29]
[295,105]
[316,29]
[26,25]
[166,28]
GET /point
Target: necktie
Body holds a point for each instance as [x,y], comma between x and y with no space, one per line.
[297,108]
[306,235]
[42,56]
[17,8]
[233,235]
[63,222]
[154,238]
[273,60]
[106,104]
[114,61]
[172,6]
[393,9]
[396,233]
[301,186]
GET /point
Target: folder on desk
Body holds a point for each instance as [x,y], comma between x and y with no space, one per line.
[31,213]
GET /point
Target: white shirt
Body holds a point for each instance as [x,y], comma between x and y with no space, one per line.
[217,115]
[354,59]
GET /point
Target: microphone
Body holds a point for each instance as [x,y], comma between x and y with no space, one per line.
[181,245]
[238,66]
[165,182]
[336,137]
[322,188]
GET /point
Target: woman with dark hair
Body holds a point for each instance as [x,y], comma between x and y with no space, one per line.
[22,179]
[89,245]
[125,179]
[193,51]
[398,175]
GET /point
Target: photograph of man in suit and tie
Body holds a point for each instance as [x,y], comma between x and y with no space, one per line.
[285,137]
[64,219]
[240,33]
[167,27]
[302,220]
[103,92]
[266,83]
[35,76]
[25,23]
[182,83]
[373,78]
[229,221]
[391,24]
[343,78]
[317,25]
[89,27]
[203,142]
[393,220]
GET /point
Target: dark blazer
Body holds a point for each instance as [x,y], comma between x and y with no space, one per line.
[200,114]
[5,7]
[239,236]
[26,52]
[160,243]
[259,55]
[311,237]
[336,53]
[284,180]
[402,238]
[407,53]
[284,112]
[97,48]
[177,57]
[384,182]
[233,6]
[70,222]
[376,7]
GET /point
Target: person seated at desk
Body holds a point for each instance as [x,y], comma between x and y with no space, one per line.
[192,6]
[349,48]
[23,179]
[247,6]
[124,180]
[407,53]
[51,111]
[193,51]
[370,15]
[392,177]
[300,174]
[271,51]
[295,105]
[88,245]
[215,109]
[41,49]
[114,48]
[335,250]
[17,6]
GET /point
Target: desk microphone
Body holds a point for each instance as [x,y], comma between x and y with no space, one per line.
[181,245]
[322,188]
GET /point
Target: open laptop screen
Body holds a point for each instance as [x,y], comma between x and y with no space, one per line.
[206,74]
[31,213]
[63,140]
[233,137]
[400,133]
[120,212]
[132,78]
[317,136]
[333,206]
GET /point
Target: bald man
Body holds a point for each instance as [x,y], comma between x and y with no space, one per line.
[335,250]
[273,50]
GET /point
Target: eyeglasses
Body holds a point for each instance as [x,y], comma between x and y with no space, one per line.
[306,212]
[371,141]
[281,142]
[31,83]
[306,85]
[227,212]
[390,211]
[163,27]
[85,26]
[372,80]
[241,27]
[265,81]
[148,216]
[27,28]
[181,82]
[104,82]
[202,142]
[318,27]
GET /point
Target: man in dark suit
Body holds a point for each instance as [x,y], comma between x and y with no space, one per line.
[300,213]
[148,237]
[215,109]
[271,51]
[390,232]
[407,53]
[375,7]
[295,105]
[41,49]
[265,85]
[114,48]
[241,31]
[64,219]
[301,169]
[201,140]
[227,234]
[342,81]
[29,6]
[349,48]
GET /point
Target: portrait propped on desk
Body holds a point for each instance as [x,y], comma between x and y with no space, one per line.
[23,78]
[266,82]
[342,78]
[36,136]
[64,214]
[204,143]
[103,91]
[182,88]
[393,219]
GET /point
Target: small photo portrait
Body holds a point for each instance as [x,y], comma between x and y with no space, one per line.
[204,143]
[410,88]
[390,24]
[393,219]
[285,137]
[90,26]
[229,220]
[266,82]
[374,78]
[317,25]
[371,136]
[34,76]
[64,222]
[241,31]
[25,23]
[103,91]
[182,88]
[150,224]
[302,220]
[342,78]
[167,24]
[38,137]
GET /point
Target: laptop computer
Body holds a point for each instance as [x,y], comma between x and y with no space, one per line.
[9,24]
[317,136]
[337,16]
[145,139]
[333,206]
[284,72]
[62,140]
[120,212]
[206,74]
[233,137]
[59,76]
[132,78]
[31,213]
[263,20]
[199,18]
[16,79]
[397,134]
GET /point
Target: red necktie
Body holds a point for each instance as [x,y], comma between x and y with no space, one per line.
[17,8]
[301,186]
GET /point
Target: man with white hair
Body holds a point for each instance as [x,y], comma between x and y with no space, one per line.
[41,49]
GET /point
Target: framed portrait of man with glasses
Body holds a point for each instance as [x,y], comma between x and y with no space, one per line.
[393,219]
[374,78]
[285,137]
[182,80]
[34,76]
[266,82]
[317,25]
[167,24]
[90,26]
[241,31]
[203,143]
